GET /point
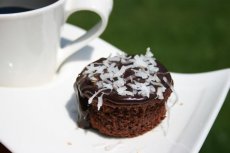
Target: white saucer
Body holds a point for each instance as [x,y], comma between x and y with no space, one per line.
[42,119]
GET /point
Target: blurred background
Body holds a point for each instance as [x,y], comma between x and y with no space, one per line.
[188,36]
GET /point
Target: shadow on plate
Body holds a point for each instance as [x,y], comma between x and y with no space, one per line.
[71,108]
[84,54]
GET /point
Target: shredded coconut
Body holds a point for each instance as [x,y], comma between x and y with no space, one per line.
[100,101]
[160,91]
[91,98]
[141,73]
[120,82]
[110,75]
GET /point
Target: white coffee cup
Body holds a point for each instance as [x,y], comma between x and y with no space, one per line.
[30,52]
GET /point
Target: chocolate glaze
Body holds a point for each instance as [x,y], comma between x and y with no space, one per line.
[85,88]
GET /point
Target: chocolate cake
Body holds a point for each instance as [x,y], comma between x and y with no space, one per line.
[123,96]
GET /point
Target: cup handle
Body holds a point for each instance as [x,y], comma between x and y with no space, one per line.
[101,7]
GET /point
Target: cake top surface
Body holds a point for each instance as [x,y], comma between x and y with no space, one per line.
[124,78]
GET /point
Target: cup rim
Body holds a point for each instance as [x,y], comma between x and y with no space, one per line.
[32,12]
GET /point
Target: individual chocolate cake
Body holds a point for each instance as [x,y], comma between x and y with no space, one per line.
[123,96]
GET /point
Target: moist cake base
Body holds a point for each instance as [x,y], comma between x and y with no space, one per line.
[124,120]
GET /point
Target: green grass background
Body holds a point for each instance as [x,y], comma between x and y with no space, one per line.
[188,36]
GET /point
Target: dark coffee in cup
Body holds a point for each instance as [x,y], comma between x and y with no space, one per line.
[13,9]
[18,6]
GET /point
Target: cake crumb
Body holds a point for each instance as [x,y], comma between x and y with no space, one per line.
[69,143]
[112,146]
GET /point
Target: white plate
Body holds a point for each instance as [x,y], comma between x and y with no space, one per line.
[42,119]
